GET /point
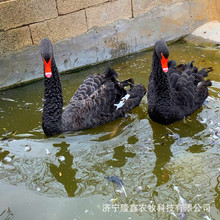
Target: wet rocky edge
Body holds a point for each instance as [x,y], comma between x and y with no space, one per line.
[207,35]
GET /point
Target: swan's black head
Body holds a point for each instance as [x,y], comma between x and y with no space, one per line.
[162,52]
[47,54]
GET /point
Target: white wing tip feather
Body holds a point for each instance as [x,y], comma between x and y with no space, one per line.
[122,102]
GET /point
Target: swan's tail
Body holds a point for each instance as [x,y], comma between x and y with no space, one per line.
[110,73]
[125,100]
[204,72]
[202,93]
[200,77]
[128,82]
[113,75]
[183,67]
[201,86]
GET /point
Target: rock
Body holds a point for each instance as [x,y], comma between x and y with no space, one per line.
[206,35]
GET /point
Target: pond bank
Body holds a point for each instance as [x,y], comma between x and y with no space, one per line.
[207,34]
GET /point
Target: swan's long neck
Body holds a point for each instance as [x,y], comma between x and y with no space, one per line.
[53,103]
[161,81]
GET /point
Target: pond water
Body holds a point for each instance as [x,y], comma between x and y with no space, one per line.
[36,182]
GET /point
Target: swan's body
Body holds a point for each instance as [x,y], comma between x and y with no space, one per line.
[175,92]
[100,99]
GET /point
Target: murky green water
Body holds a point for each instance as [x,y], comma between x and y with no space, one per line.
[147,156]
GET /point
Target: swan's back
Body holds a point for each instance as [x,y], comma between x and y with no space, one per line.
[95,102]
[92,83]
[189,85]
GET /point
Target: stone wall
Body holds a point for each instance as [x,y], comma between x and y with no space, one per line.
[101,29]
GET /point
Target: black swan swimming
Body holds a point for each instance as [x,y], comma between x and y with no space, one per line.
[100,98]
[174,92]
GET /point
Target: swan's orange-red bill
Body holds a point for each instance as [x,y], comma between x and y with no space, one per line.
[164,63]
[47,68]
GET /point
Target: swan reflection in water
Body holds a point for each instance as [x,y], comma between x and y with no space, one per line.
[163,143]
[120,157]
[64,173]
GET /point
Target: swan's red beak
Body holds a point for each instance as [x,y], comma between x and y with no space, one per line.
[164,63]
[47,68]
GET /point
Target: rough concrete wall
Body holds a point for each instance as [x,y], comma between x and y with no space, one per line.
[218,9]
[22,12]
[144,6]
[110,28]
[62,27]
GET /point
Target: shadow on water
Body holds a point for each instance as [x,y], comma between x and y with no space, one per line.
[164,137]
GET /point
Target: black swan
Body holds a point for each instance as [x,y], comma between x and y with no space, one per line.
[174,92]
[100,98]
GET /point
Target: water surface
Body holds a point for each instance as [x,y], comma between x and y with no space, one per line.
[150,158]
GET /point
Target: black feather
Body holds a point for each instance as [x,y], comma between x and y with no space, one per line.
[178,93]
[93,103]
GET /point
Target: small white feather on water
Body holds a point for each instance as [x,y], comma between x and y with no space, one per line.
[122,102]
[181,199]
[61,158]
[27,148]
[182,213]
[206,217]
[124,191]
[176,188]
[203,121]
[215,136]
[38,189]
[7,99]
[210,98]
[139,189]
[7,159]
[47,152]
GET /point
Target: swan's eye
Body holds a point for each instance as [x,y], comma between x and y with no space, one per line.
[164,63]
[47,68]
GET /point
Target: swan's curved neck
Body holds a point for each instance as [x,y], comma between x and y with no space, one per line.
[53,103]
[161,81]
